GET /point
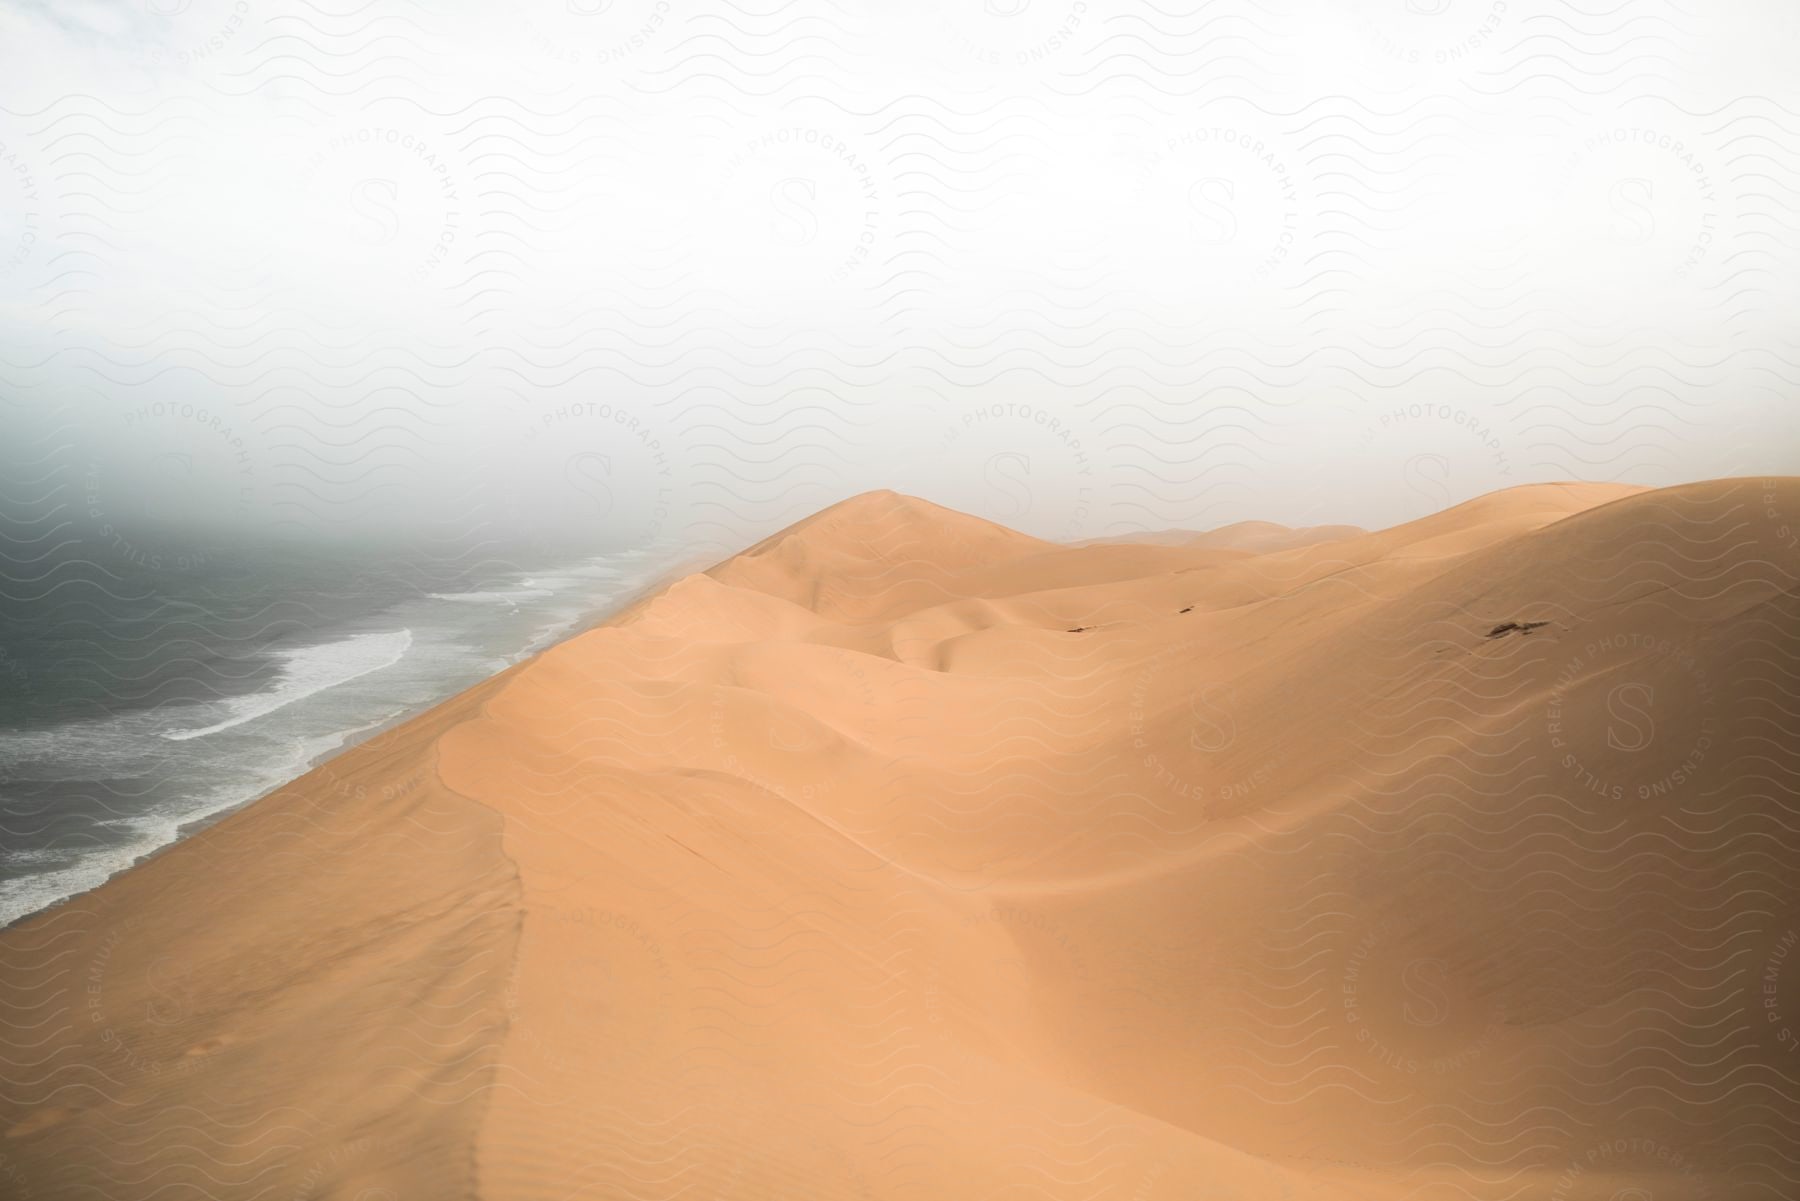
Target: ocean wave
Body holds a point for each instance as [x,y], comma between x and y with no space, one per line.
[310,670]
[509,596]
[147,781]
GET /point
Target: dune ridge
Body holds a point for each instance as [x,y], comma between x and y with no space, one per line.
[904,854]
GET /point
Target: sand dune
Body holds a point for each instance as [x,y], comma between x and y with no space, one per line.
[904,855]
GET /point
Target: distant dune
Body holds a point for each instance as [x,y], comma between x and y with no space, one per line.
[1244,535]
[907,856]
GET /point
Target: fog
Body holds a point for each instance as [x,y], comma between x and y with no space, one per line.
[643,272]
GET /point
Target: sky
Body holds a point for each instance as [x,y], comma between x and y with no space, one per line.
[644,272]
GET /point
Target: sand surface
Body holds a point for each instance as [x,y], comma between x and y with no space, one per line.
[906,856]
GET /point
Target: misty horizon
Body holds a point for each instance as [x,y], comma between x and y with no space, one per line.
[613,274]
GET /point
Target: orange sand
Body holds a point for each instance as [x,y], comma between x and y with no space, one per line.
[850,869]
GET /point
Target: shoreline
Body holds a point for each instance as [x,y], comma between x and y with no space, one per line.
[349,740]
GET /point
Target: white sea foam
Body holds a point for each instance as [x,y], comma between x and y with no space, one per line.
[506,596]
[457,646]
[310,670]
[85,749]
[25,894]
[147,833]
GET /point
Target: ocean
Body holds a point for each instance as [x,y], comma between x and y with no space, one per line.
[137,702]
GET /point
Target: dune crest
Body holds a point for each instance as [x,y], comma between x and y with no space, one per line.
[905,855]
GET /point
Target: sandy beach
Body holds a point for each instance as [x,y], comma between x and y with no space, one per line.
[906,855]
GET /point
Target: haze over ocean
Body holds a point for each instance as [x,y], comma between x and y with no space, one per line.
[695,270]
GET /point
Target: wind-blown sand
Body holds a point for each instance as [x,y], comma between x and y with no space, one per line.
[904,855]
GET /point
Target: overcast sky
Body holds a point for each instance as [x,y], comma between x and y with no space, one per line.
[679,271]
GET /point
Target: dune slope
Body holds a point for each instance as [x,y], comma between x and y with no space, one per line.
[904,855]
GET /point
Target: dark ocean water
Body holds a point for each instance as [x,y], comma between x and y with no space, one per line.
[139,697]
